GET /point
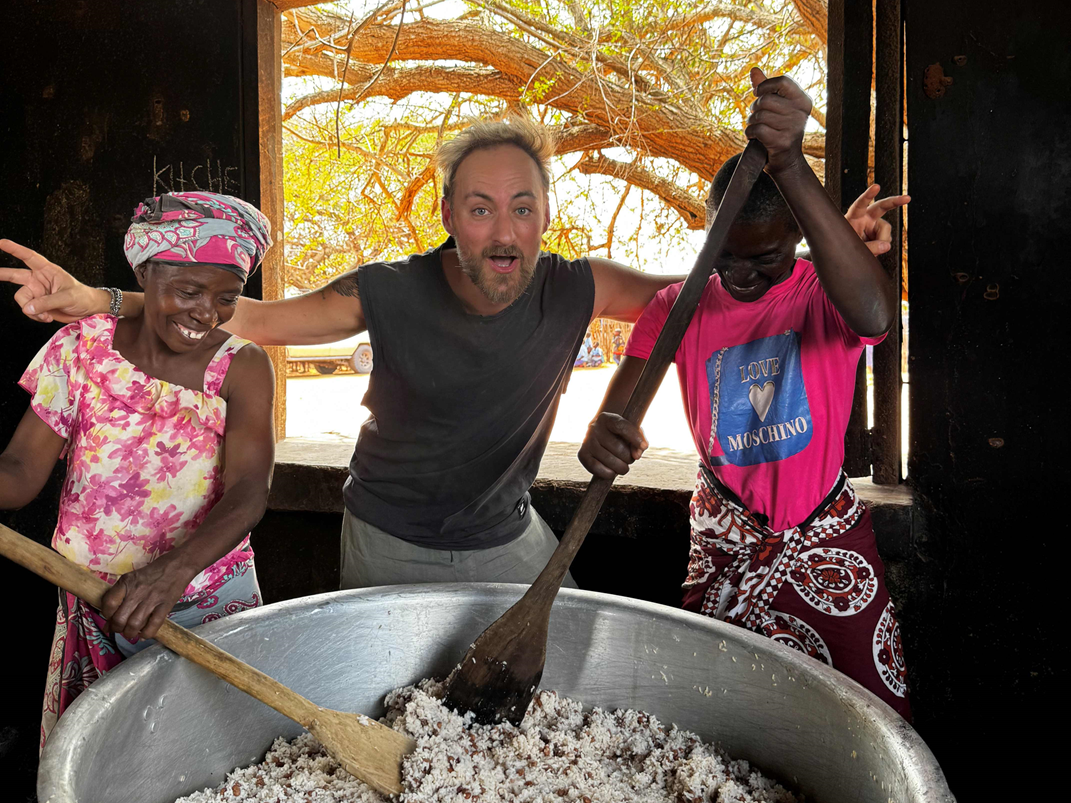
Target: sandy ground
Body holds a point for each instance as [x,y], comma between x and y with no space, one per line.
[328,408]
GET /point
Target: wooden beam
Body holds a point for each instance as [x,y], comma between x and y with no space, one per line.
[834,98]
[269,91]
[849,48]
[286,5]
[888,169]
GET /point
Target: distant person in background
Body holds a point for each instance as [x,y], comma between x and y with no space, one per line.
[596,359]
[590,355]
[584,354]
[585,358]
[619,346]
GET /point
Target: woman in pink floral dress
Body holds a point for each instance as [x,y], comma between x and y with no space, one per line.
[166,424]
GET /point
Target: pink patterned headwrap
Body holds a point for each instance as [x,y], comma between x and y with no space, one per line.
[199,227]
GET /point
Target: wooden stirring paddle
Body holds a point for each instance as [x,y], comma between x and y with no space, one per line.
[366,749]
[498,675]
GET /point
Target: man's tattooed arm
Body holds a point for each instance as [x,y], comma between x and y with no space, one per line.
[344,285]
[318,316]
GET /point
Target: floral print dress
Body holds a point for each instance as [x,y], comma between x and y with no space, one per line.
[144,468]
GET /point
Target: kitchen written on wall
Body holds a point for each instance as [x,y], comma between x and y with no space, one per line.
[172,178]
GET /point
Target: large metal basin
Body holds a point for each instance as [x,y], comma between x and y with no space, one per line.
[159,727]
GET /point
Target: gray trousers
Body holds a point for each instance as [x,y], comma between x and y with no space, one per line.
[371,557]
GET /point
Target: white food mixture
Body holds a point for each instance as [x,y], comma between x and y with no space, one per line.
[559,753]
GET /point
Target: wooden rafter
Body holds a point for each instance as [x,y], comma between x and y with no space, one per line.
[287,5]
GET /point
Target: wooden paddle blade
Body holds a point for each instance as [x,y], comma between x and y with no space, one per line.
[366,749]
[501,671]
[499,675]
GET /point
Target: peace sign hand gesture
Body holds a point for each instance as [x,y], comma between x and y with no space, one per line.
[865,216]
[48,293]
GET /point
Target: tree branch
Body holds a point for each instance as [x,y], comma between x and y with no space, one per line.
[375,157]
[815,14]
[632,118]
[613,222]
[701,150]
[577,12]
[759,19]
[814,144]
[573,138]
[559,38]
[689,208]
[590,78]
[399,83]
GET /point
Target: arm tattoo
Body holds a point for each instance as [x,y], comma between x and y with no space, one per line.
[345,285]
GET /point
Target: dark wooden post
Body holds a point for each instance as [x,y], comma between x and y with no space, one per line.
[269,96]
[888,166]
[849,56]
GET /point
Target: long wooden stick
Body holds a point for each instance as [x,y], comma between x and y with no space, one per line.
[53,567]
[680,316]
[367,749]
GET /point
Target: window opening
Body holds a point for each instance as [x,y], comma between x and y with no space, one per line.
[359,123]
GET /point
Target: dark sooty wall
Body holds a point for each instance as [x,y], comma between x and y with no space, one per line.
[102,103]
[990,176]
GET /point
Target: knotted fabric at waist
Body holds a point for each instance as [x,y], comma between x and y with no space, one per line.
[738,563]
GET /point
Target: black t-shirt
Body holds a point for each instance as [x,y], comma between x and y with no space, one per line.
[461,405]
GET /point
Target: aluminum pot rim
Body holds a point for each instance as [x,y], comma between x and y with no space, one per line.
[920,765]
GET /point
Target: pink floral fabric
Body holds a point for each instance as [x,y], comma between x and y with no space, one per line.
[144,456]
[144,468]
[198,227]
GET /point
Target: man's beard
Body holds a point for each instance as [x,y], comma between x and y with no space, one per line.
[498,288]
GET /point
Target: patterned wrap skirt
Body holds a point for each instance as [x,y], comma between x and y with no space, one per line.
[818,587]
[83,651]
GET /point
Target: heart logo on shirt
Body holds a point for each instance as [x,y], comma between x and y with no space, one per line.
[761,398]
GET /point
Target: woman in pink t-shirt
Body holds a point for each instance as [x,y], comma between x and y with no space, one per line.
[780,543]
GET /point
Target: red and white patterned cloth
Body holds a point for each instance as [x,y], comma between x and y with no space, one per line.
[818,587]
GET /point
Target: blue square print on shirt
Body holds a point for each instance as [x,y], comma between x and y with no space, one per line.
[759,409]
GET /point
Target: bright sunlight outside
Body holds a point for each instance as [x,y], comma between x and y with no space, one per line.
[647,99]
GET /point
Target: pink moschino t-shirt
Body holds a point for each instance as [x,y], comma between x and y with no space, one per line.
[767,388]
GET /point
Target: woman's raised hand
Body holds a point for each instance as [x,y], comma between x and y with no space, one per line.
[865,216]
[48,293]
[778,119]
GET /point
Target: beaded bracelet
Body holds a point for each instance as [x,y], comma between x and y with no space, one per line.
[117,300]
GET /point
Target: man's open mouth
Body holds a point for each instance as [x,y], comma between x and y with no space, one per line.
[503,263]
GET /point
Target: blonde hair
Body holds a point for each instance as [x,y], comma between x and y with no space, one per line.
[521,132]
